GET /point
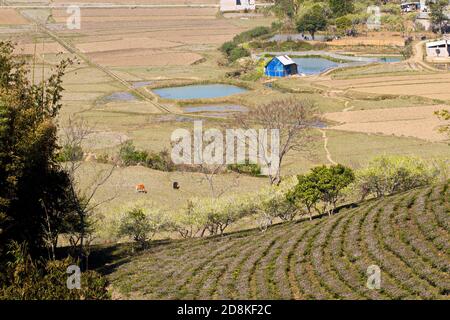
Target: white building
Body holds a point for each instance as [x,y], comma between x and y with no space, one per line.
[237,5]
[438,49]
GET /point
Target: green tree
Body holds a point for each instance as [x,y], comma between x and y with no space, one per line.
[331,181]
[312,21]
[437,13]
[322,185]
[286,9]
[343,24]
[35,203]
[306,193]
[341,7]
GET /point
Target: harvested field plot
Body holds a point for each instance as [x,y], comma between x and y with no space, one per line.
[406,235]
[417,122]
[434,86]
[48,47]
[138,58]
[11,17]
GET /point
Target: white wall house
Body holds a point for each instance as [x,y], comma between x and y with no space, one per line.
[439,49]
[237,5]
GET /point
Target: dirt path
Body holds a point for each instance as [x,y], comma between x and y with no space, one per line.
[325,146]
[416,61]
[347,108]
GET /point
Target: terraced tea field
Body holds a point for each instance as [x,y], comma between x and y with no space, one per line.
[406,235]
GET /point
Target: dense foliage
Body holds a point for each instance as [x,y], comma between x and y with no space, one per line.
[341,7]
[387,175]
[323,185]
[37,199]
[312,21]
[35,202]
[131,156]
[252,169]
[26,278]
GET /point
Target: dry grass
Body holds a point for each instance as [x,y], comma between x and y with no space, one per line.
[417,122]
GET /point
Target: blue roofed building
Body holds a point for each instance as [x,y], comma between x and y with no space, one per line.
[281,66]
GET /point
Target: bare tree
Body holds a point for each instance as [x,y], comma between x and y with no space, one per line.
[293,118]
[211,165]
[74,135]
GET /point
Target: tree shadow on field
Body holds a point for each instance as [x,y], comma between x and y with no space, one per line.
[105,259]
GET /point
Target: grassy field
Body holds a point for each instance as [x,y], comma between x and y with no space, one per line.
[406,235]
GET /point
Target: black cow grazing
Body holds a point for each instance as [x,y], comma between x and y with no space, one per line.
[176,185]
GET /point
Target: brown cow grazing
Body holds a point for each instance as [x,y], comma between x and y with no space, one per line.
[176,185]
[140,188]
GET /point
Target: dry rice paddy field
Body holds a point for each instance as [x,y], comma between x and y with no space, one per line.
[433,86]
[417,122]
[407,235]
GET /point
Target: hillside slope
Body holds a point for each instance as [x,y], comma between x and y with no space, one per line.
[406,235]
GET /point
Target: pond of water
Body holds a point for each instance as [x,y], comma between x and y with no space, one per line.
[206,91]
[313,65]
[310,66]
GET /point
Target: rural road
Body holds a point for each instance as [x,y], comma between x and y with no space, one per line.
[416,61]
[325,146]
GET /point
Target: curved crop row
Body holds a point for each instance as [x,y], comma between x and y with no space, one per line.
[406,236]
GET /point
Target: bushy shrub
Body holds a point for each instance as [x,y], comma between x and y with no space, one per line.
[70,153]
[26,279]
[252,169]
[130,155]
[211,216]
[234,50]
[343,23]
[407,51]
[272,202]
[227,47]
[141,224]
[387,175]
[238,53]
[251,34]
[160,161]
